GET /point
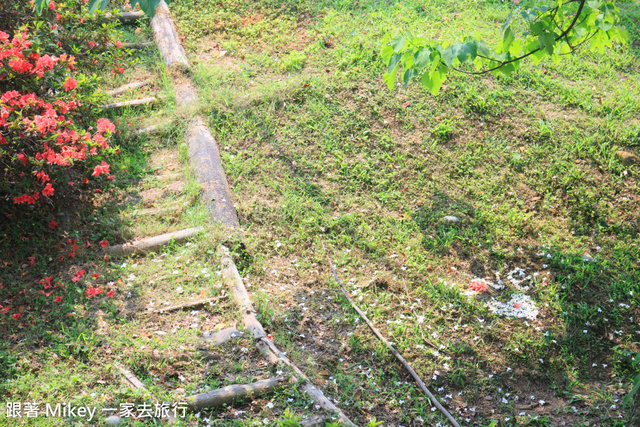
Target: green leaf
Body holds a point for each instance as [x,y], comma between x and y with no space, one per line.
[147,6]
[390,78]
[483,49]
[421,59]
[629,397]
[39,5]
[547,41]
[467,51]
[507,22]
[398,43]
[386,53]
[507,39]
[449,54]
[433,80]
[408,75]
[393,62]
[94,4]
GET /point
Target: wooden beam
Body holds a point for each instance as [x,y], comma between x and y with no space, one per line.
[132,103]
[227,395]
[166,37]
[152,243]
[127,87]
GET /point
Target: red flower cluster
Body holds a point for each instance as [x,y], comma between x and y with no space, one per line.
[39,139]
[78,276]
[90,292]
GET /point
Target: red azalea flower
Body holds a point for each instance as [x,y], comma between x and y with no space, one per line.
[70,84]
[106,258]
[53,224]
[90,292]
[516,305]
[52,6]
[16,316]
[48,190]
[32,260]
[57,299]
[95,275]
[110,294]
[102,168]
[104,243]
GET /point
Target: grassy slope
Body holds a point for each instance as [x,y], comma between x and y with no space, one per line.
[317,150]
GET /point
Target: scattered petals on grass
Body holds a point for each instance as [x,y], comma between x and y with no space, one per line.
[520,306]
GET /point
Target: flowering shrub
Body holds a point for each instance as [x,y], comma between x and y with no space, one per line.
[43,144]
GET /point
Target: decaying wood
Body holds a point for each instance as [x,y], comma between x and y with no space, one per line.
[166,38]
[127,87]
[132,381]
[206,162]
[128,17]
[150,129]
[129,378]
[193,304]
[231,276]
[229,394]
[398,356]
[223,336]
[132,103]
[152,243]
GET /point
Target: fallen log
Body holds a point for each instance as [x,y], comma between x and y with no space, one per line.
[147,130]
[128,17]
[132,381]
[227,395]
[132,103]
[127,87]
[207,164]
[152,243]
[265,346]
[166,38]
[393,350]
[223,336]
[129,378]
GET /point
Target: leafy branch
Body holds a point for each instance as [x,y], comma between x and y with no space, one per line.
[546,30]
[147,6]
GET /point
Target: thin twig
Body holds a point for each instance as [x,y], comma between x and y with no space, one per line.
[393,350]
[182,306]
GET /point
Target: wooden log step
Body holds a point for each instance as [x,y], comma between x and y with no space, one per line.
[132,103]
[231,277]
[127,87]
[166,38]
[227,395]
[128,17]
[152,243]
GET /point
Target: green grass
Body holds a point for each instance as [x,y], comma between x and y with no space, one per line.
[323,153]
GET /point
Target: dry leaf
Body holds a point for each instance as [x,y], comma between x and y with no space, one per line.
[324,373]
